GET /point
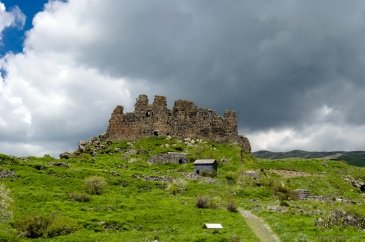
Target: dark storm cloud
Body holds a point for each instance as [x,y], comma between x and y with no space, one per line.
[275,62]
[293,69]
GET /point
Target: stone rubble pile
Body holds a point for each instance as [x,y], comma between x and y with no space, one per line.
[193,176]
[341,218]
[94,145]
[59,163]
[152,178]
[7,174]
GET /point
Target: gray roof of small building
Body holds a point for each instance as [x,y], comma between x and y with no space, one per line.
[204,162]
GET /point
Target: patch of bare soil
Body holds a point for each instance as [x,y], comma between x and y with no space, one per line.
[290,174]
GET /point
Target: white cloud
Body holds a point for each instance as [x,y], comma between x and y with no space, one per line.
[48,101]
[14,18]
[315,137]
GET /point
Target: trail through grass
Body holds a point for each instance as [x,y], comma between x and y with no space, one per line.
[261,229]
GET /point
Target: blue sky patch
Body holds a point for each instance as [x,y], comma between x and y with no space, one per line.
[13,38]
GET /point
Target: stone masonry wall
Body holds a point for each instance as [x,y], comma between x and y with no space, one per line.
[184,120]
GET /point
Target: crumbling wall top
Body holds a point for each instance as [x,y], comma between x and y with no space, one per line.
[185,120]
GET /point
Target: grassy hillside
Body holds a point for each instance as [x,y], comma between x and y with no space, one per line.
[145,202]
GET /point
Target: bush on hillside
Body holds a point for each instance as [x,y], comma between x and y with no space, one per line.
[95,185]
[207,202]
[61,225]
[202,202]
[177,186]
[33,226]
[79,196]
[232,207]
[36,226]
[283,193]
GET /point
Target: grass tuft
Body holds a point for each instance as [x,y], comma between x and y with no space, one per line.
[95,185]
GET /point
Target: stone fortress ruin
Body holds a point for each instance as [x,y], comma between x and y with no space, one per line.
[185,120]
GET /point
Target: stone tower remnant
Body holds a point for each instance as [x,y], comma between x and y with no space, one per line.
[185,120]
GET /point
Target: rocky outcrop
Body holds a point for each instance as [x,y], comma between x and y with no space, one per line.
[356,183]
[185,120]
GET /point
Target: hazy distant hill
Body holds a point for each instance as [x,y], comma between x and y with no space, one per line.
[356,158]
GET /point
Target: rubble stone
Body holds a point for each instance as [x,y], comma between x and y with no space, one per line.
[7,174]
[170,157]
[65,155]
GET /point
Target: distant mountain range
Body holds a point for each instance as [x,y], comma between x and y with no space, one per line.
[356,158]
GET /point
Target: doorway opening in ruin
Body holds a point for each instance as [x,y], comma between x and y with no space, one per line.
[155,133]
[149,113]
[181,161]
[197,172]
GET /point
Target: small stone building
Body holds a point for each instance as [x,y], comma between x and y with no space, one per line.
[207,165]
[170,157]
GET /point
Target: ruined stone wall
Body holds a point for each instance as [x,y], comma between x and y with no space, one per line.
[170,157]
[184,120]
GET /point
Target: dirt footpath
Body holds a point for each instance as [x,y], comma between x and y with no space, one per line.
[261,229]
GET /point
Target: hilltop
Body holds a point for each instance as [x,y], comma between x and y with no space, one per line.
[56,199]
[356,158]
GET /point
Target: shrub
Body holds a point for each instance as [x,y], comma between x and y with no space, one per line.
[177,186]
[207,202]
[36,226]
[202,202]
[33,226]
[95,185]
[232,207]
[79,196]
[283,193]
[61,226]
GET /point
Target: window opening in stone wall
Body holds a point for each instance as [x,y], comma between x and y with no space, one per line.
[181,161]
[155,133]
[149,113]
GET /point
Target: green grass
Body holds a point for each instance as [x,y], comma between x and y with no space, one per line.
[134,209]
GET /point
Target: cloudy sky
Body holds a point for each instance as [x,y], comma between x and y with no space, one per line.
[293,69]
